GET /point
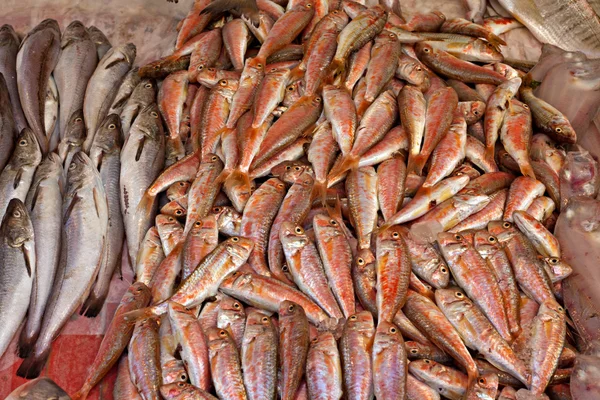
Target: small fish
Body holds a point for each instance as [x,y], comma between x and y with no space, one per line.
[356,346]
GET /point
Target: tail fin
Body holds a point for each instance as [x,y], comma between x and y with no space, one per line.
[336,71]
[26,343]
[93,305]
[142,313]
[417,165]
[320,192]
[346,164]
[410,166]
[527,170]
[237,177]
[296,74]
[146,204]
[32,366]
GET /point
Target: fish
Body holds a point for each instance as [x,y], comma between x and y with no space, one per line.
[523,190]
[44,204]
[100,40]
[323,367]
[116,338]
[142,95]
[415,389]
[85,220]
[200,241]
[144,359]
[449,382]
[293,346]
[103,86]
[413,107]
[106,157]
[194,349]
[149,257]
[18,260]
[142,158]
[38,389]
[356,346]
[9,45]
[76,64]
[51,114]
[475,28]
[7,124]
[232,317]
[225,365]
[73,139]
[36,59]
[495,112]
[389,362]
[259,356]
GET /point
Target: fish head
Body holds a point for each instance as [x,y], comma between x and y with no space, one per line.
[217,338]
[205,227]
[472,111]
[108,134]
[328,225]
[551,309]
[232,305]
[452,299]
[557,268]
[293,92]
[75,132]
[485,242]
[128,52]
[274,185]
[485,387]
[226,215]
[365,263]
[388,334]
[291,171]
[27,150]
[137,293]
[561,129]
[239,248]
[16,224]
[293,236]
[177,190]
[339,18]
[239,192]
[145,90]
[49,168]
[361,321]
[425,366]
[167,224]
[174,209]
[452,245]
[502,230]
[8,35]
[290,310]
[206,75]
[177,390]
[80,169]
[74,32]
[424,50]
[148,122]
[237,280]
[257,318]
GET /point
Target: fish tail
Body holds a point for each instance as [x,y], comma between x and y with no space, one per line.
[349,162]
[320,192]
[337,70]
[416,167]
[146,204]
[32,366]
[93,305]
[235,178]
[142,313]
[527,170]
[490,151]
[296,74]
[472,375]
[26,343]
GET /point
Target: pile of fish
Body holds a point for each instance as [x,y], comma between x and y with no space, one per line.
[320,200]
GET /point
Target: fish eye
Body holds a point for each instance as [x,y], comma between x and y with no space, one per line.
[553,260]
[318,99]
[156,66]
[393,330]
[315,340]
[217,209]
[214,158]
[280,185]
[526,106]
[235,239]
[288,167]
[265,319]
[309,6]
[78,119]
[444,270]
[482,381]
[427,361]
[334,12]
[112,126]
[236,305]
[491,239]
[178,212]
[333,222]
[229,248]
[223,82]
[290,88]
[426,50]
[148,85]
[200,67]
[284,268]
[154,114]
[395,235]
[392,35]
[360,261]
[353,318]
[560,308]
[291,308]
[22,142]
[72,166]
[476,112]
[558,129]
[459,295]
[171,219]
[16,214]
[414,351]
[297,168]
[419,69]
[182,184]
[299,230]
[506,225]
[198,224]
[273,69]
[222,333]
[458,237]
[182,384]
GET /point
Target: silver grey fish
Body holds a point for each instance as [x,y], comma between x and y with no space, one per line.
[129,83]
[103,86]
[17,268]
[142,160]
[7,124]
[143,94]
[51,114]
[76,64]
[39,389]
[36,59]
[9,47]
[71,143]
[17,175]
[44,203]
[106,157]
[85,221]
[100,40]
[571,25]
